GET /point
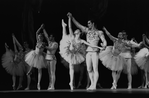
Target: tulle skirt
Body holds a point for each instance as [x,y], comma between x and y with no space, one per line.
[35,60]
[12,67]
[141,59]
[111,61]
[73,57]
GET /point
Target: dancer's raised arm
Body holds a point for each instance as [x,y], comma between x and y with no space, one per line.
[83,28]
[37,32]
[46,34]
[15,48]
[109,35]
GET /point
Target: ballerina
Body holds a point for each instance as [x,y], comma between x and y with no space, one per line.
[12,62]
[93,35]
[51,59]
[116,57]
[71,50]
[142,59]
[35,58]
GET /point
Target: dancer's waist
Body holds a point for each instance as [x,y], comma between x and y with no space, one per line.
[92,49]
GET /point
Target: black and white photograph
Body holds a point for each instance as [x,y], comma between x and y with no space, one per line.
[61,47]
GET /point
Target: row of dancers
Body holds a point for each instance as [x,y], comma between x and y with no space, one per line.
[118,58]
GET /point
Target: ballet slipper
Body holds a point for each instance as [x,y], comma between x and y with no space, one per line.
[38,86]
[129,87]
[27,88]
[50,88]
[13,86]
[71,86]
[20,86]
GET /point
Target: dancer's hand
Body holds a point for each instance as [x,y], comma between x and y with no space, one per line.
[63,23]
[69,15]
[42,26]
[104,29]
[101,48]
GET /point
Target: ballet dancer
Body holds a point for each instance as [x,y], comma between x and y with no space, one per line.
[93,36]
[51,59]
[35,58]
[70,48]
[142,59]
[11,61]
[117,56]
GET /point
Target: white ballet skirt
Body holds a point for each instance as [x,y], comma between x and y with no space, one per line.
[16,68]
[111,61]
[72,56]
[141,59]
[35,58]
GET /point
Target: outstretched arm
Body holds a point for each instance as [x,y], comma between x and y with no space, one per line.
[145,39]
[132,43]
[102,37]
[83,41]
[109,35]
[83,28]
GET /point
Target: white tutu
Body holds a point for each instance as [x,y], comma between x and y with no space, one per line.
[35,59]
[141,59]
[111,61]
[11,66]
[73,57]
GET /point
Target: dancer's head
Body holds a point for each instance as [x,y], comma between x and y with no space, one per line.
[90,24]
[124,35]
[40,37]
[77,33]
[120,35]
[26,45]
[51,38]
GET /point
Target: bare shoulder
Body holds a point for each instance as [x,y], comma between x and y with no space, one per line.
[55,44]
[100,32]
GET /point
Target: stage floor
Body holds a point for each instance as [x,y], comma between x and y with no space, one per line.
[80,90]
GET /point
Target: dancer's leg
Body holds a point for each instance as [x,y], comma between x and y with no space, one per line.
[39,78]
[71,73]
[20,82]
[128,62]
[14,81]
[114,76]
[52,71]
[95,69]
[89,69]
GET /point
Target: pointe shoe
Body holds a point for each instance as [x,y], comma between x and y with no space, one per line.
[27,88]
[20,86]
[71,86]
[38,87]
[50,88]
[113,87]
[13,86]
[91,88]
[79,85]
[129,87]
